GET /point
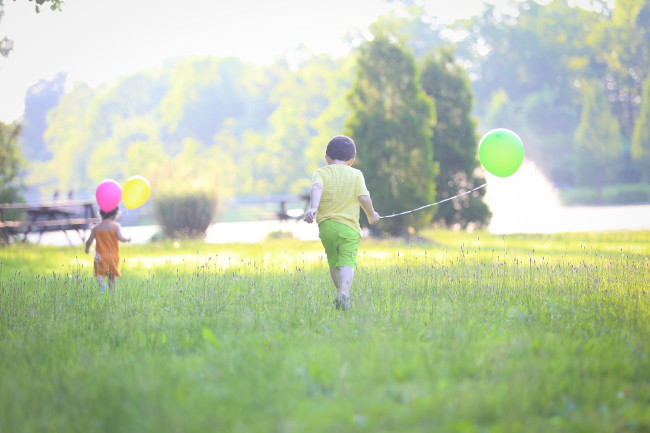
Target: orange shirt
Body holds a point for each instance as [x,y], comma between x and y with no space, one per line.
[107,256]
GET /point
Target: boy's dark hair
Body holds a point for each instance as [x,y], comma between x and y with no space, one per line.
[341,148]
[109,214]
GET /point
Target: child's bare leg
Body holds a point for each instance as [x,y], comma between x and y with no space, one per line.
[336,278]
[346,275]
[111,283]
[102,285]
[342,278]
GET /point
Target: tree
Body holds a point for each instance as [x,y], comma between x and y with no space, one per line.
[54,5]
[621,62]
[391,122]
[6,44]
[455,141]
[203,93]
[309,110]
[69,138]
[40,98]
[419,31]
[641,140]
[11,163]
[598,139]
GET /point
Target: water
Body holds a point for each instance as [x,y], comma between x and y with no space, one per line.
[527,202]
[522,203]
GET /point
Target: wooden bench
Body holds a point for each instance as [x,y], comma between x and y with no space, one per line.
[78,215]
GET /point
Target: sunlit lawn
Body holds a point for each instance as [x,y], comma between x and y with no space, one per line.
[468,333]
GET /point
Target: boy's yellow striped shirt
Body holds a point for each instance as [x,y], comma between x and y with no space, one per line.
[342,186]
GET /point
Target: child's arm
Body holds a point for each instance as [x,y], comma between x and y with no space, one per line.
[316,193]
[90,240]
[366,204]
[118,233]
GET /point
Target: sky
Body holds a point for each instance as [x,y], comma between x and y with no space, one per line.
[96,41]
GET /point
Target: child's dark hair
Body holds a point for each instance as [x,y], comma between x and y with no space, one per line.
[109,214]
[341,148]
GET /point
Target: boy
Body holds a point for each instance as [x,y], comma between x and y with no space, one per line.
[337,191]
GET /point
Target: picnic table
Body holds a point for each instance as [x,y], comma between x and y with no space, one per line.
[282,201]
[78,215]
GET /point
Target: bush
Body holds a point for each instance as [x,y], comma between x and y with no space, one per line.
[611,195]
[186,214]
[580,196]
[279,234]
[627,194]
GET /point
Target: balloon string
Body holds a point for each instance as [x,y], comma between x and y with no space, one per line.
[433,204]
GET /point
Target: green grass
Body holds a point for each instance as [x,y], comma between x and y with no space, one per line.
[468,333]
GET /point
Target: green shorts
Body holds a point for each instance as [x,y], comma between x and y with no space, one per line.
[341,243]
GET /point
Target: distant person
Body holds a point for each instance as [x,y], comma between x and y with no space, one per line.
[70,194]
[107,234]
[337,191]
[55,196]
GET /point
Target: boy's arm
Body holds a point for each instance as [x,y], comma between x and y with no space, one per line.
[366,204]
[315,194]
[118,233]
[90,240]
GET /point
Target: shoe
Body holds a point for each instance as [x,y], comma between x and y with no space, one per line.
[342,302]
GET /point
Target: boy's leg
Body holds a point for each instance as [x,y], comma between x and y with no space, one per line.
[342,278]
[336,278]
[346,275]
[341,245]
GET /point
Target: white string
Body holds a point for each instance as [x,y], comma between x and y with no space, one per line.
[433,204]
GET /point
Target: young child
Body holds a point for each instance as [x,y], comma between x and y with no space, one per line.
[107,233]
[337,191]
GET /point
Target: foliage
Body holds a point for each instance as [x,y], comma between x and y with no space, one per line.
[55,5]
[455,142]
[11,163]
[540,54]
[527,65]
[69,138]
[635,193]
[641,139]
[391,124]
[418,31]
[513,334]
[185,214]
[309,110]
[598,139]
[39,100]
[203,93]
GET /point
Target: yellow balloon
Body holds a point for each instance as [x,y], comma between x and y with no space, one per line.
[135,192]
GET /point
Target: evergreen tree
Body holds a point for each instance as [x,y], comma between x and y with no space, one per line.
[641,140]
[391,122]
[598,139]
[455,141]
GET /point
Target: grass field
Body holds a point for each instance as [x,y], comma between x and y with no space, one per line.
[467,333]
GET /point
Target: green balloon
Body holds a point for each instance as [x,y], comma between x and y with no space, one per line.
[501,152]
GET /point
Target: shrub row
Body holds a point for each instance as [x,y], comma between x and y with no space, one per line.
[638,193]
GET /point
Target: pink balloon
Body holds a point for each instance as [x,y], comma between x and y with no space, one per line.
[108,194]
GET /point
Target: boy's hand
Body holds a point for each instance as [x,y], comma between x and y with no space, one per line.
[374,218]
[310,214]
